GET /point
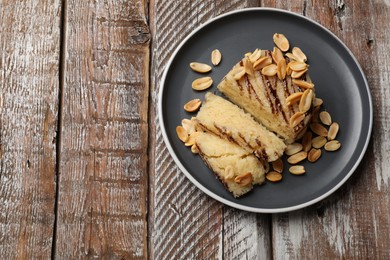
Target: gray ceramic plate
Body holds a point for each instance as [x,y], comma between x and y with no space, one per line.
[339,80]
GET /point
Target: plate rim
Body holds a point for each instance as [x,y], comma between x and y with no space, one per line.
[218,197]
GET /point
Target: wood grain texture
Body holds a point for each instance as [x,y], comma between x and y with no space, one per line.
[102,202]
[353,223]
[30,46]
[246,235]
[184,222]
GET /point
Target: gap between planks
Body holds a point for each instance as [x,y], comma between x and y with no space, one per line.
[61,80]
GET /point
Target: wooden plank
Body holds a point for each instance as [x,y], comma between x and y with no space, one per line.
[353,223]
[246,235]
[102,203]
[29,85]
[185,223]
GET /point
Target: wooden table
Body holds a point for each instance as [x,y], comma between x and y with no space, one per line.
[84,171]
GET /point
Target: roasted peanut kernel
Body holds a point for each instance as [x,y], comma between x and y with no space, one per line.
[306,141]
[182,133]
[296,119]
[325,118]
[318,102]
[318,142]
[297,65]
[192,105]
[274,176]
[297,170]
[198,127]
[293,148]
[298,74]
[333,145]
[278,165]
[298,53]
[294,98]
[318,129]
[333,130]
[216,57]
[307,119]
[200,67]
[244,179]
[314,155]
[202,83]
[238,72]
[302,131]
[288,70]
[255,56]
[303,84]
[191,139]
[262,62]
[229,172]
[194,149]
[277,55]
[281,41]
[248,67]
[188,125]
[281,69]
[291,56]
[270,70]
[306,101]
[298,157]
[315,114]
